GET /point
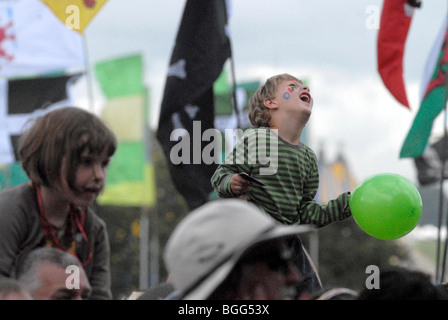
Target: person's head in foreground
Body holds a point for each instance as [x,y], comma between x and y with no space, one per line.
[229,249]
[53,274]
[403,284]
[12,289]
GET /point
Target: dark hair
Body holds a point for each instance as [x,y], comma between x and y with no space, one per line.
[64,133]
[27,272]
[261,252]
[11,285]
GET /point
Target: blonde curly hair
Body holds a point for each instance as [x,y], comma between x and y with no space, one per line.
[258,112]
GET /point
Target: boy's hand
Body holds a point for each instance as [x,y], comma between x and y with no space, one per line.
[239,185]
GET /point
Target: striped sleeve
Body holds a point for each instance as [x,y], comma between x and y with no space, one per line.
[320,215]
[310,211]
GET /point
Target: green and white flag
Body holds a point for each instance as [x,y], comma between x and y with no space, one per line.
[434,98]
[40,60]
[130,176]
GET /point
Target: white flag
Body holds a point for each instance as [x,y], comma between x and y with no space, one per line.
[23,99]
[34,41]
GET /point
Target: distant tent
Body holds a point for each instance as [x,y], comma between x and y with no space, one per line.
[431,201]
[335,178]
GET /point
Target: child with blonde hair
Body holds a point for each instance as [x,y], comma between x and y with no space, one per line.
[279,111]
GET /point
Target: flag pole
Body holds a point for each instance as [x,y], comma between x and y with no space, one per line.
[89,81]
[154,243]
[151,244]
[442,176]
[441,203]
[144,240]
[233,76]
[235,105]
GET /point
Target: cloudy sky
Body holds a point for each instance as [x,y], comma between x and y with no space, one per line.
[330,43]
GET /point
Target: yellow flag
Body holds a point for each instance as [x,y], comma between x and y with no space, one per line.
[75,14]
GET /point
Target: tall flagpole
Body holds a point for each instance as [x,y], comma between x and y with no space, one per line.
[144,249]
[235,103]
[149,231]
[441,203]
[89,81]
[232,70]
[442,178]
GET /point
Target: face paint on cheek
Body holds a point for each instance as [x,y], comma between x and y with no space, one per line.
[286,95]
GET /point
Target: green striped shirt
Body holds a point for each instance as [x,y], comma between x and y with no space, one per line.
[291,178]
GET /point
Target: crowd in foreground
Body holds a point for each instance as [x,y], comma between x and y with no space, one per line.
[244,246]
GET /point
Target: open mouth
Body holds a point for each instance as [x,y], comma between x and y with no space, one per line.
[93,190]
[306,97]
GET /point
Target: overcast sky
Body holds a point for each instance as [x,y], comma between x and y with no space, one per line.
[330,43]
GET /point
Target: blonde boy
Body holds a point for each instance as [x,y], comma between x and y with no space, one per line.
[279,111]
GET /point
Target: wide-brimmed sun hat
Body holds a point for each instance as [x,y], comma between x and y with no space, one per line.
[209,241]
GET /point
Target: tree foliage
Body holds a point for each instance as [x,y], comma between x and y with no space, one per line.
[345,251]
[123,225]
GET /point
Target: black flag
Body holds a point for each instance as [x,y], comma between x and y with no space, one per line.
[431,163]
[201,49]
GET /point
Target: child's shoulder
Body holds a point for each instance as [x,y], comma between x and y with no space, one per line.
[310,152]
[257,131]
[23,191]
[307,148]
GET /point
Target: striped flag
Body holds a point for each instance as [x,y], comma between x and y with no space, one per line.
[130,176]
[40,60]
[434,99]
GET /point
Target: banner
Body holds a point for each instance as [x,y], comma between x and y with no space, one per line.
[23,99]
[201,49]
[395,21]
[34,42]
[434,99]
[130,176]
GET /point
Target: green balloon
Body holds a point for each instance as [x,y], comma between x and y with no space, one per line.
[386,206]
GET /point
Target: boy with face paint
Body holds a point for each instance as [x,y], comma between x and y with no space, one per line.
[279,111]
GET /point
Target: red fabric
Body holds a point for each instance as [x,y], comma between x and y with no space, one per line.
[394,27]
